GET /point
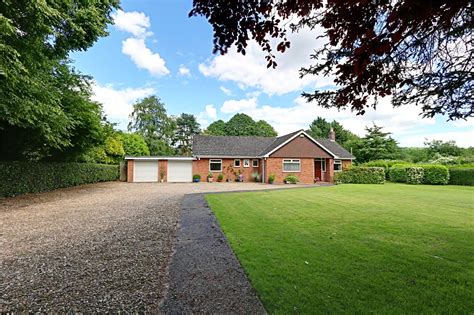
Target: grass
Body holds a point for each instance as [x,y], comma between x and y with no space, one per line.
[389,248]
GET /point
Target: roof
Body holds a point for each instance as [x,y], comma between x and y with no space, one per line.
[336,149]
[230,145]
[238,146]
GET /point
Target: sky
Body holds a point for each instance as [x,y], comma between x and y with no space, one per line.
[154,48]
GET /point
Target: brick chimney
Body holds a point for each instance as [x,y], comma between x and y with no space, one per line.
[332,135]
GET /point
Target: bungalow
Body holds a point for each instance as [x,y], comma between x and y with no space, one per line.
[297,153]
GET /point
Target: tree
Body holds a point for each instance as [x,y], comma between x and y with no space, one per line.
[150,120]
[240,125]
[45,107]
[264,129]
[134,144]
[217,128]
[186,127]
[376,145]
[320,128]
[418,51]
[448,148]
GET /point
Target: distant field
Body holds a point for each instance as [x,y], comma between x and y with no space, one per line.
[355,248]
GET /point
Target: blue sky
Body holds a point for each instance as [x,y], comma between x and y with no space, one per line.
[154,48]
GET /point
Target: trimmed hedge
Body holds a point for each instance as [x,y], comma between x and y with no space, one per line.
[378,163]
[361,175]
[461,176]
[431,175]
[29,177]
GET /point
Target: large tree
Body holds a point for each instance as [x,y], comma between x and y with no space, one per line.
[241,125]
[418,51]
[186,127]
[149,119]
[375,145]
[264,129]
[217,128]
[320,128]
[45,107]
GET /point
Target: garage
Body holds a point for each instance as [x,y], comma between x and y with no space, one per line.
[180,171]
[145,171]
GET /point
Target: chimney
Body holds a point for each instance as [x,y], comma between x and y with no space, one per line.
[332,135]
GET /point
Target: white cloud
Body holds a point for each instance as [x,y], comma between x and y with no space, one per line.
[462,138]
[136,23]
[118,103]
[143,57]
[235,106]
[184,71]
[251,70]
[226,91]
[210,113]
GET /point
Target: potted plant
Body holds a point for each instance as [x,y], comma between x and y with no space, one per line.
[271,178]
[291,179]
[209,177]
[162,176]
[256,177]
[196,178]
[220,178]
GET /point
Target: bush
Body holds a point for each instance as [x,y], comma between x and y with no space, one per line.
[29,177]
[256,177]
[461,176]
[291,179]
[361,175]
[398,173]
[271,178]
[414,175]
[220,178]
[435,174]
[378,163]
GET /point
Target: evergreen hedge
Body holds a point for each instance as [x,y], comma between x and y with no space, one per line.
[361,175]
[29,177]
[411,174]
[435,174]
[461,176]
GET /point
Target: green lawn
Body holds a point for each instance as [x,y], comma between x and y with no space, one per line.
[389,248]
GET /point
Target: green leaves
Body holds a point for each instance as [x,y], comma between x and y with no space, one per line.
[241,125]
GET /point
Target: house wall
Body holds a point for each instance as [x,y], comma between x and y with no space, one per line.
[201,167]
[130,171]
[301,147]
[274,165]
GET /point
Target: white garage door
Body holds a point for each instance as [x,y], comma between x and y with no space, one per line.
[145,171]
[180,171]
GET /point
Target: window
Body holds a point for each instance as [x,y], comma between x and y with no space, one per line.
[337,165]
[215,165]
[237,163]
[291,165]
[254,163]
[246,163]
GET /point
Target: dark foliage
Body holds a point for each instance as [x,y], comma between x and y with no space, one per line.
[361,175]
[461,176]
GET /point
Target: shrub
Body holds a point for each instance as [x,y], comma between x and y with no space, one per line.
[271,178]
[256,177]
[391,163]
[29,177]
[378,163]
[414,175]
[220,178]
[196,176]
[461,176]
[435,174]
[361,175]
[291,179]
[398,173]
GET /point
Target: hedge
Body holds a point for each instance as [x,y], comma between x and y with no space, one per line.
[431,174]
[378,163]
[461,176]
[29,177]
[361,175]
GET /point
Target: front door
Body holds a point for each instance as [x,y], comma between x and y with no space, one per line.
[317,171]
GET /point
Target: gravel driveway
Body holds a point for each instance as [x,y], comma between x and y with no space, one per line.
[93,248]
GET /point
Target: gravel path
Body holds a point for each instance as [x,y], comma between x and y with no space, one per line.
[206,277]
[94,248]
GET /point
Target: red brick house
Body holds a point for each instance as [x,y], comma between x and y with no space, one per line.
[297,153]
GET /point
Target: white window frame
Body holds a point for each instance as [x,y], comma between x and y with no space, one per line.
[246,163]
[323,164]
[240,163]
[215,161]
[338,162]
[291,161]
[254,164]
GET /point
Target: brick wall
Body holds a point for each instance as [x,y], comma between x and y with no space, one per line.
[130,171]
[201,167]
[275,166]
